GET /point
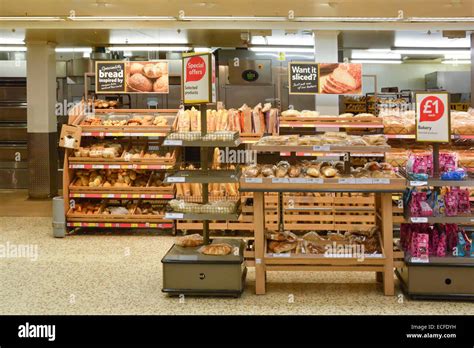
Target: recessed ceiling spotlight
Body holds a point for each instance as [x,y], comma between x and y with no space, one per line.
[101,3]
[206,4]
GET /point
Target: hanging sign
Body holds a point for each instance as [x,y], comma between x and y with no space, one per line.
[199,78]
[432,117]
[303,78]
[132,77]
[325,78]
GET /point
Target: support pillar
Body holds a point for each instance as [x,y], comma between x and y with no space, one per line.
[472,70]
[326,51]
[42,123]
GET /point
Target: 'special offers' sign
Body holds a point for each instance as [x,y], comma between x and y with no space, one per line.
[199,78]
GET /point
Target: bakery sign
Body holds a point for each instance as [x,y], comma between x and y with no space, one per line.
[325,78]
[199,78]
[115,77]
[432,117]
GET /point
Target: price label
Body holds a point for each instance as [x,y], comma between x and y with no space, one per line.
[253,180]
[298,180]
[418,183]
[382,181]
[280,181]
[364,181]
[281,255]
[327,129]
[97,166]
[315,181]
[176,179]
[346,181]
[174,215]
[173,142]
[321,148]
[419,220]
[420,259]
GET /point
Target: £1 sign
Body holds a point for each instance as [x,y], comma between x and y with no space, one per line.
[432,117]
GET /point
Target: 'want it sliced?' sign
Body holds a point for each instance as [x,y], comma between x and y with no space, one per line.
[303,78]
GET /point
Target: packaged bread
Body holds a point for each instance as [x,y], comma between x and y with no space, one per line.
[216,249]
[285,236]
[192,240]
[281,247]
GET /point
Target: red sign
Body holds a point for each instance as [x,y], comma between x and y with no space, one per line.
[195,69]
[431,109]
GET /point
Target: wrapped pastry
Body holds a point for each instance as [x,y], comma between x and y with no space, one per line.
[313,248]
[281,236]
[282,169]
[281,247]
[251,171]
[313,236]
[192,240]
[294,171]
[216,249]
[268,170]
[313,172]
[375,140]
[328,172]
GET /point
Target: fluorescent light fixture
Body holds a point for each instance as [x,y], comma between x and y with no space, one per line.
[202,49]
[12,49]
[31,18]
[121,18]
[291,55]
[280,38]
[149,48]
[429,51]
[347,19]
[441,19]
[376,61]
[456,61]
[281,49]
[234,18]
[363,54]
[73,49]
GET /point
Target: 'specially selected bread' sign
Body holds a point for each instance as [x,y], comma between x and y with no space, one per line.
[131,77]
[324,78]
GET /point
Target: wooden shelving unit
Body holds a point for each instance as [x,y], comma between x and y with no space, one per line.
[137,194]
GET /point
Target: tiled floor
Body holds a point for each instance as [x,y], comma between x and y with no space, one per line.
[121,274]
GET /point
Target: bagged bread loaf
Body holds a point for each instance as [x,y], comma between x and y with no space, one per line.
[191,240]
[216,249]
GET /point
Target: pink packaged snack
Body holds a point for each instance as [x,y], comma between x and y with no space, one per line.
[420,247]
[420,163]
[464,206]
[451,203]
[419,205]
[448,161]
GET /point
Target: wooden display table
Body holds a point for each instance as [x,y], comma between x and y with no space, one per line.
[382,264]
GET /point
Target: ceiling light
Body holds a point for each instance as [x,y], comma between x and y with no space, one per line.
[73,49]
[30,18]
[202,49]
[456,61]
[376,61]
[347,19]
[12,49]
[365,54]
[281,49]
[121,18]
[441,19]
[234,18]
[429,51]
[149,48]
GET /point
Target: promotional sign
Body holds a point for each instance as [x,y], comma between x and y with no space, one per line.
[432,117]
[199,78]
[303,78]
[325,78]
[132,77]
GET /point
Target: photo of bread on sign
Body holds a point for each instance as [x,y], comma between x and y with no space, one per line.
[147,77]
[340,78]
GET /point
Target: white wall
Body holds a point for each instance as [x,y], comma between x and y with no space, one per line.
[404,76]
